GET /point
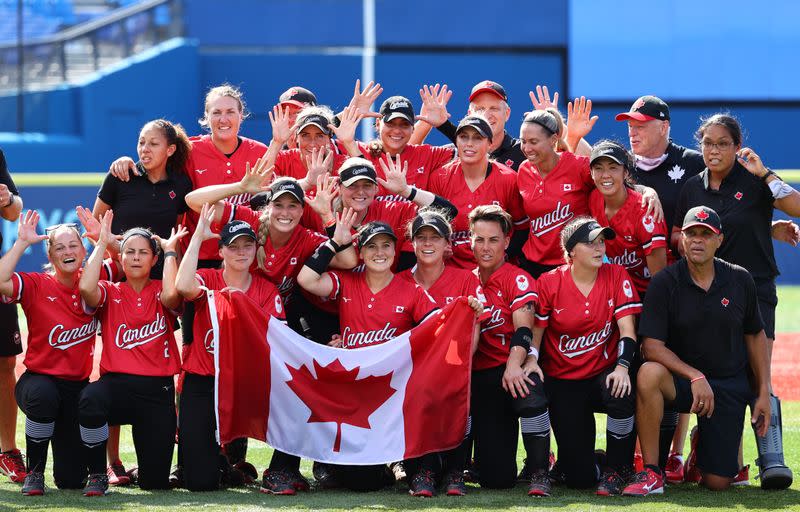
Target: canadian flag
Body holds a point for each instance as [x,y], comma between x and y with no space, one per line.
[394,401]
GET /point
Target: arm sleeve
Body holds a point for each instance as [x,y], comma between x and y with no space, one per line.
[448,129]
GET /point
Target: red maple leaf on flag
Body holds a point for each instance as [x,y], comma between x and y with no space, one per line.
[335,395]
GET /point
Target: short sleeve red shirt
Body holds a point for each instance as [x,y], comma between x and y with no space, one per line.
[422,159]
[452,284]
[581,335]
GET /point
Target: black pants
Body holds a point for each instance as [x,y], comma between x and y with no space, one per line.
[197,441]
[145,403]
[572,407]
[362,478]
[309,321]
[495,425]
[45,400]
[10,339]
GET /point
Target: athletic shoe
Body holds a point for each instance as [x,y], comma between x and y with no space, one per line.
[399,471]
[691,474]
[557,477]
[133,474]
[324,475]
[13,466]
[454,484]
[673,470]
[525,473]
[250,472]
[117,474]
[277,482]
[611,483]
[34,484]
[299,482]
[423,484]
[230,476]
[540,483]
[175,477]
[471,472]
[742,477]
[638,462]
[645,483]
[97,485]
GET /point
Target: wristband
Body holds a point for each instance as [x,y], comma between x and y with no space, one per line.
[701,377]
[321,258]
[769,173]
[626,351]
[170,253]
[779,188]
[412,194]
[336,247]
[533,352]
[522,338]
[344,247]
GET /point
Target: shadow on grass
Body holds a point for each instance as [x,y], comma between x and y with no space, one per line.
[684,497]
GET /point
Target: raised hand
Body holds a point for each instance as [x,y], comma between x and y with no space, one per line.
[256,178]
[579,118]
[90,224]
[119,168]
[281,129]
[752,162]
[348,122]
[205,219]
[786,231]
[106,237]
[434,104]
[343,234]
[541,99]
[395,172]
[363,100]
[26,231]
[319,164]
[322,202]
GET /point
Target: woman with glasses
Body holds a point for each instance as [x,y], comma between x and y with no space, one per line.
[58,359]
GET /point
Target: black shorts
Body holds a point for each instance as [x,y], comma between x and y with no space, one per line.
[720,435]
[533,268]
[10,338]
[767,303]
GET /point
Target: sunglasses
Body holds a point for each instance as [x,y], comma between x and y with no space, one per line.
[54,227]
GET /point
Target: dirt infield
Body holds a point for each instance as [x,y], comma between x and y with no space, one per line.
[785,365]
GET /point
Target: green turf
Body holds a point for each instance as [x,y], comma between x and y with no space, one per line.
[686,496]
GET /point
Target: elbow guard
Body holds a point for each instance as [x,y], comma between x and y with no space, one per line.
[626,351]
[522,338]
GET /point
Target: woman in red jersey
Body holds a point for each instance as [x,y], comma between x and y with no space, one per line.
[139,359]
[473,180]
[641,243]
[58,359]
[237,242]
[584,341]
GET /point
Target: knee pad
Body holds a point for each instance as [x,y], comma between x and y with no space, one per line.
[772,469]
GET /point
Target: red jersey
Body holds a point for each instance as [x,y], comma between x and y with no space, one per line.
[136,331]
[581,333]
[507,290]
[637,235]
[452,284]
[367,318]
[208,165]
[61,333]
[199,358]
[281,265]
[289,163]
[553,201]
[423,159]
[499,187]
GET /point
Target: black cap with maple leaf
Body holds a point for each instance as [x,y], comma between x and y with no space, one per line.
[702,216]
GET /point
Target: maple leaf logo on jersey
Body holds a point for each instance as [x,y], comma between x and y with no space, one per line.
[626,288]
[357,398]
[738,196]
[725,302]
[509,163]
[522,283]
[649,223]
[676,173]
[172,194]
[399,309]
[567,187]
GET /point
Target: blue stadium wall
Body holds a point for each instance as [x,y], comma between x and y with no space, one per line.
[577,47]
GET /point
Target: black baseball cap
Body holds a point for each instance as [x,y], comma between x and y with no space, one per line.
[488,86]
[397,106]
[297,96]
[610,150]
[233,230]
[372,230]
[353,170]
[702,216]
[480,125]
[260,200]
[646,108]
[317,120]
[587,233]
[428,220]
[286,186]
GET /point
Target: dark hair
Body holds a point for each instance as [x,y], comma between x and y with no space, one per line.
[629,163]
[547,120]
[142,232]
[491,213]
[724,119]
[175,134]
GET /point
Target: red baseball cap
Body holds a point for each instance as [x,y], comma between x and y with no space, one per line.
[646,108]
[488,86]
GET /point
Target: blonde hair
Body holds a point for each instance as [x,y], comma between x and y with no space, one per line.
[51,239]
[221,91]
[569,229]
[263,224]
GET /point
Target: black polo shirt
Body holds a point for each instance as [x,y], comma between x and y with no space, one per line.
[669,177]
[5,179]
[744,204]
[509,153]
[141,203]
[705,329]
